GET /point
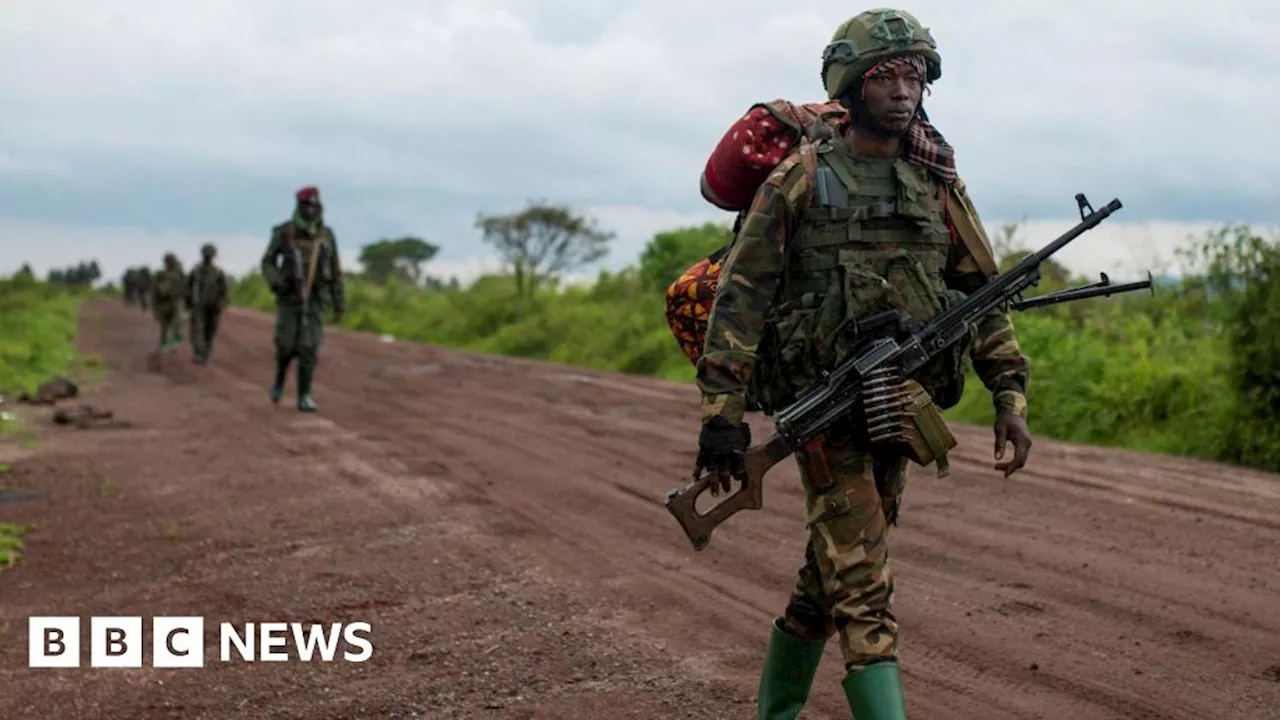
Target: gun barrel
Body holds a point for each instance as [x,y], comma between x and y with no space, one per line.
[1080,293]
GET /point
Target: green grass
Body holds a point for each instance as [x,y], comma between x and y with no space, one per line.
[1174,373]
[37,334]
[38,323]
[11,544]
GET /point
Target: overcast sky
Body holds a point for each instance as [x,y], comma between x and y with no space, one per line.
[134,127]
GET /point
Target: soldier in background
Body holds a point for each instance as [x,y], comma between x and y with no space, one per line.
[167,291]
[207,296]
[129,287]
[302,268]
[144,287]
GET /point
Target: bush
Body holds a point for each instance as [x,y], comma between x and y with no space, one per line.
[1191,371]
[38,324]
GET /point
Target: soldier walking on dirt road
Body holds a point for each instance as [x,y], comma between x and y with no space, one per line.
[166,300]
[302,267]
[869,215]
[207,296]
[143,287]
[129,287]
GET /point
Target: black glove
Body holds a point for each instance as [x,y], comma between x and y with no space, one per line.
[722,449]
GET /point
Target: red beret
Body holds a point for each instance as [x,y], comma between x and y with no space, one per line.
[309,192]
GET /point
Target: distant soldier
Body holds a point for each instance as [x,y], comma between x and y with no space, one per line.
[167,290]
[129,286]
[302,268]
[144,287]
[207,297]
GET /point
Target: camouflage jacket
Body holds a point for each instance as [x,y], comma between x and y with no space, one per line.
[285,270]
[763,271]
[207,287]
[168,286]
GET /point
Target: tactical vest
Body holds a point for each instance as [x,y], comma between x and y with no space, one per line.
[872,236]
[308,245]
[168,284]
[204,285]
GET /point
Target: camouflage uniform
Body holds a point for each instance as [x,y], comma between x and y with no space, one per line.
[803,268]
[129,286]
[285,264]
[144,286]
[167,290]
[207,296]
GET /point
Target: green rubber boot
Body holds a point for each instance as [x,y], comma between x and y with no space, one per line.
[875,692]
[305,403]
[789,667]
[282,371]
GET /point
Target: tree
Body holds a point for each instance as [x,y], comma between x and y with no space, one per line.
[80,274]
[543,241]
[1242,275]
[671,252]
[401,258]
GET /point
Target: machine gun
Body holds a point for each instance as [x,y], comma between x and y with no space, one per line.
[898,346]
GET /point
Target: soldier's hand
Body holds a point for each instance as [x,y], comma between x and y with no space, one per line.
[722,448]
[1012,428]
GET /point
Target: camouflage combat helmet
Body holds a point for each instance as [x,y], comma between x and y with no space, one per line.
[870,37]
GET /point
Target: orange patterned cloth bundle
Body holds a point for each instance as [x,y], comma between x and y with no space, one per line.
[689,301]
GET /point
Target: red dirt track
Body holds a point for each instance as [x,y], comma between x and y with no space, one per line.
[500,524]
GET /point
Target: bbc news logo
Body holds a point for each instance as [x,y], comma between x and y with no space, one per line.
[178,642]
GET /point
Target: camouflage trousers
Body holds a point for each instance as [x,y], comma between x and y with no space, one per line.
[299,336]
[204,326]
[167,316]
[846,585]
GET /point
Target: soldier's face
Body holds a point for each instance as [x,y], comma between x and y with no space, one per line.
[891,98]
[310,209]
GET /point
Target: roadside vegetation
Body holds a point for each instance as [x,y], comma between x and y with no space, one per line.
[1189,371]
[37,331]
[38,322]
[10,544]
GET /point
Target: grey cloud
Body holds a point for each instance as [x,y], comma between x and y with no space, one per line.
[414,117]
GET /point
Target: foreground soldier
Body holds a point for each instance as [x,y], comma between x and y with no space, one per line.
[207,296]
[302,268]
[167,290]
[863,220]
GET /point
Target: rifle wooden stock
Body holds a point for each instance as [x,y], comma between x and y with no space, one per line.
[682,503]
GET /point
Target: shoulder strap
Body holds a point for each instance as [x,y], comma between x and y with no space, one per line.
[313,261]
[964,221]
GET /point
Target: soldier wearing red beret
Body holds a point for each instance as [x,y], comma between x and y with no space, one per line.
[302,267]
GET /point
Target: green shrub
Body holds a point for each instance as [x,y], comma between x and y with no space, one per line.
[1191,371]
[38,323]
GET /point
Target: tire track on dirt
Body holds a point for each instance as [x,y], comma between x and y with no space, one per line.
[578,491]
[501,520]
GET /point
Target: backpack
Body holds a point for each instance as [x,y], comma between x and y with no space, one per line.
[741,162]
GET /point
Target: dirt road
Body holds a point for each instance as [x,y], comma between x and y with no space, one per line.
[499,523]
